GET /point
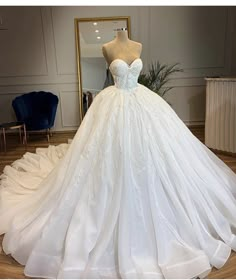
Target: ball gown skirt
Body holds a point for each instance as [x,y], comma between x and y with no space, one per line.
[135,195]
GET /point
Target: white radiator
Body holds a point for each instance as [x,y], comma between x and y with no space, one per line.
[220,125]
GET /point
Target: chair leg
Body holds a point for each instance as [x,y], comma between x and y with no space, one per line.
[20,135]
[48,134]
[4,139]
[25,136]
[1,141]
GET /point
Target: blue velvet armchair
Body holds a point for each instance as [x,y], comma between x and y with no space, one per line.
[36,109]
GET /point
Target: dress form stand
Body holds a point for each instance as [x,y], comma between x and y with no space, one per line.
[122,48]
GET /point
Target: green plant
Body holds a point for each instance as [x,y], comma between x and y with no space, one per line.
[157,76]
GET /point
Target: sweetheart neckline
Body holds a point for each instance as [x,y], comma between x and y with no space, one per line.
[128,65]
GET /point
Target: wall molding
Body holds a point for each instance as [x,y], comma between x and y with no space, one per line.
[44,41]
[65,110]
[54,42]
[59,73]
[45,55]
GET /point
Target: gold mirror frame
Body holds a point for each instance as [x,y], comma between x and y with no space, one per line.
[77,21]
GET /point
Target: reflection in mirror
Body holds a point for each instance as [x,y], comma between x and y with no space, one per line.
[93,72]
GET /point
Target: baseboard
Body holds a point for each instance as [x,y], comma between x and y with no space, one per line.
[42,132]
[200,124]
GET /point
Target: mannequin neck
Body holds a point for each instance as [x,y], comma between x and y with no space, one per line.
[122,35]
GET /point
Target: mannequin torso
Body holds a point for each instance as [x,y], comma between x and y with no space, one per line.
[122,48]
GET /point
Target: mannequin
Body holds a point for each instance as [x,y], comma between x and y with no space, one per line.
[122,48]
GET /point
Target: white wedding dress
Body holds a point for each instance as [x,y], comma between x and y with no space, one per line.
[135,195]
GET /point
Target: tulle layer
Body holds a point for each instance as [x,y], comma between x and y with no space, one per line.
[135,195]
[23,177]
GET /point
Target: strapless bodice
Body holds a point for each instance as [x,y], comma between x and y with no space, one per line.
[126,76]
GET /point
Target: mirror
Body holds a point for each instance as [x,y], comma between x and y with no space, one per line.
[90,35]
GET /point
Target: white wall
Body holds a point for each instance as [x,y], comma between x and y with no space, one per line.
[37,52]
